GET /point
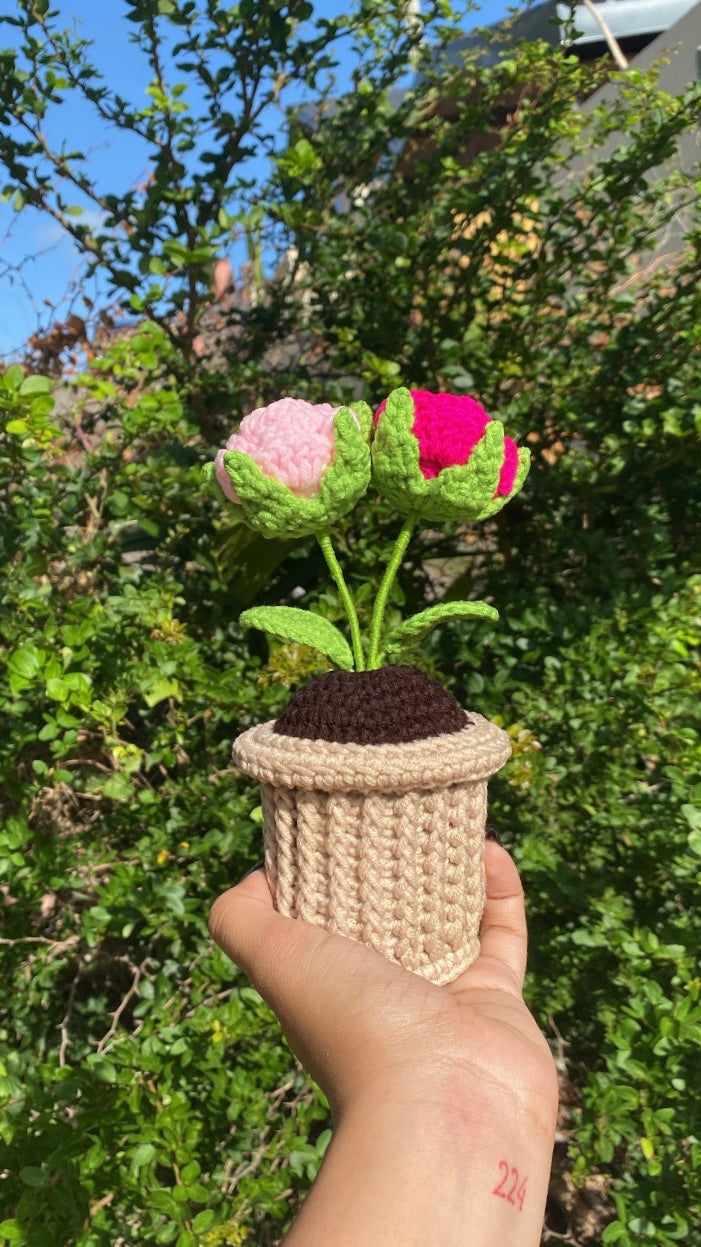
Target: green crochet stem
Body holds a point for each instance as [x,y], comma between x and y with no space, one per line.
[378,613]
[335,568]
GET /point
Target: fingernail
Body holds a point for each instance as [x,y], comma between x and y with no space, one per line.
[491,833]
[250,872]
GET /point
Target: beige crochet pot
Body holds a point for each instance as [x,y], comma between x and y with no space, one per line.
[381,843]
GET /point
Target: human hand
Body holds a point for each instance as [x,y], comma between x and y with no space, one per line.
[356,1020]
[400,1059]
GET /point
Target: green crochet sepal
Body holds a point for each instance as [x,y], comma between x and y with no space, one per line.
[365,415]
[289,623]
[266,504]
[467,490]
[524,465]
[412,630]
[463,492]
[395,454]
[274,510]
[347,478]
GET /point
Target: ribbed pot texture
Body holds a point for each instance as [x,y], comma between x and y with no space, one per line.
[381,843]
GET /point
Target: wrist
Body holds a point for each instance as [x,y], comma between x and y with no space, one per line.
[462,1104]
[473,1122]
[474,1169]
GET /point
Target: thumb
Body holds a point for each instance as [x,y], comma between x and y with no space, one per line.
[245,924]
[301,970]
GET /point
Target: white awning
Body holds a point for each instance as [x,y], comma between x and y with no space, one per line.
[625,18]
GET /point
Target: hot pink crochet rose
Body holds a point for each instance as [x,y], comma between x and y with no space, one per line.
[291,440]
[440,456]
[447,428]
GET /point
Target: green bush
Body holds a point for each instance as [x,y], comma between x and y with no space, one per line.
[140,1075]
[606,825]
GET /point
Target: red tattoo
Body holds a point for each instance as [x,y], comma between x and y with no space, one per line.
[508,1187]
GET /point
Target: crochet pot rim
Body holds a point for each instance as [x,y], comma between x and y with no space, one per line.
[473,754]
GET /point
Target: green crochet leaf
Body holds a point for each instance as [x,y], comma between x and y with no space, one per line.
[267,504]
[289,623]
[365,415]
[348,477]
[399,409]
[470,487]
[524,463]
[395,454]
[412,630]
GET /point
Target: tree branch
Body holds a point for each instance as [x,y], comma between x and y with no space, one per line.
[137,975]
[611,40]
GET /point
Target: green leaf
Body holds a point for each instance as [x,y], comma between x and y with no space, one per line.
[105,1071]
[32,1176]
[204,1221]
[25,662]
[12,1232]
[642,1225]
[141,1156]
[57,689]
[159,690]
[694,841]
[14,377]
[613,1232]
[78,682]
[117,788]
[692,814]
[289,623]
[411,630]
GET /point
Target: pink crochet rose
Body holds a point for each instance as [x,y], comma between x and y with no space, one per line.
[447,428]
[291,440]
[294,468]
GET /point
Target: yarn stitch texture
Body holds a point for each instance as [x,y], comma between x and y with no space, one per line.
[448,472]
[474,753]
[381,843]
[267,502]
[447,428]
[265,436]
[385,706]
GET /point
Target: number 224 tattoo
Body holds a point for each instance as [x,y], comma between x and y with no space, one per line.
[508,1187]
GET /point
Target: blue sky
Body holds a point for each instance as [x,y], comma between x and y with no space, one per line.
[43,262]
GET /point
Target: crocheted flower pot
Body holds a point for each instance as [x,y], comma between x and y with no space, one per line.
[381,842]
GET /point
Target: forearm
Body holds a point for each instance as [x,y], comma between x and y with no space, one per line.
[399,1175]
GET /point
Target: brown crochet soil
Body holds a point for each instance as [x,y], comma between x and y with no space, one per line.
[385,707]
